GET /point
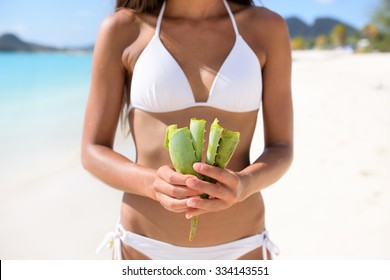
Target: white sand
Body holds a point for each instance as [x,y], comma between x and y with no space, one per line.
[334,203]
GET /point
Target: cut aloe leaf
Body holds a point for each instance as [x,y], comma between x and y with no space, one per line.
[168,134]
[194,225]
[214,137]
[197,128]
[181,151]
[185,147]
[227,146]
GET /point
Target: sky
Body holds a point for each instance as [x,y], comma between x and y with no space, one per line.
[75,23]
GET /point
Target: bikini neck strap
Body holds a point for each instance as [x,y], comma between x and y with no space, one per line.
[160,16]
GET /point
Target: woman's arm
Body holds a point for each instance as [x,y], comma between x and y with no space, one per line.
[103,110]
[101,121]
[233,187]
[277,113]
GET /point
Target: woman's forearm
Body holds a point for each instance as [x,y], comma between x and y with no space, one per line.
[267,169]
[118,171]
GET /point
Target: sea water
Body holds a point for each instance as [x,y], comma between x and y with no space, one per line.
[42,104]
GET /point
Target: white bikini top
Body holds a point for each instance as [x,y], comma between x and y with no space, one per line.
[160,85]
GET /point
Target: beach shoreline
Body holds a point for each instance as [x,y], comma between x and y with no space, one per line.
[332,204]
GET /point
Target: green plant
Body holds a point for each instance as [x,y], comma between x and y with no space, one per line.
[185,147]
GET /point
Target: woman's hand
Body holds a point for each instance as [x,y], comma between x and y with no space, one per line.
[171,190]
[228,190]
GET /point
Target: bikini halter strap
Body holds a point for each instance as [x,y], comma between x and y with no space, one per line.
[159,19]
[160,16]
[232,18]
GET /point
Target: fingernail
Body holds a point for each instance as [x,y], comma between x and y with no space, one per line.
[188,216]
[197,166]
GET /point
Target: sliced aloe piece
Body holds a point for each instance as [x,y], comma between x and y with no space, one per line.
[181,150]
[197,128]
[215,135]
[227,146]
[185,147]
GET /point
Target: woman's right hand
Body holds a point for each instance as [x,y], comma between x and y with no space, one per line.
[171,190]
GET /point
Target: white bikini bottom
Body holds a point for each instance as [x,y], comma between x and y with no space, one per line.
[157,250]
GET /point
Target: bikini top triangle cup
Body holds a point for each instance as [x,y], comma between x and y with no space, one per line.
[159,84]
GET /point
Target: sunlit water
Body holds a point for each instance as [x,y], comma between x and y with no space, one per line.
[42,103]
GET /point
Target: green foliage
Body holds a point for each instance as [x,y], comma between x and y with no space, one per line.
[381,44]
[371,31]
[375,36]
[382,16]
[379,31]
[298,43]
[339,35]
[322,42]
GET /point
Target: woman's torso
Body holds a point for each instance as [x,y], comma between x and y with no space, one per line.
[200,49]
[148,217]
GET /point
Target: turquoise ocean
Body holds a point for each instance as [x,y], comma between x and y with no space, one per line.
[42,103]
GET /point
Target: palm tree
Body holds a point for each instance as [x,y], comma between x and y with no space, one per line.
[339,35]
[371,31]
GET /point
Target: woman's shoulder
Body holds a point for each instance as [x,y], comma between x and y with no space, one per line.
[263,26]
[121,28]
[266,18]
[119,21]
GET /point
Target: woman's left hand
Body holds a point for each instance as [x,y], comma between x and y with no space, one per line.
[228,190]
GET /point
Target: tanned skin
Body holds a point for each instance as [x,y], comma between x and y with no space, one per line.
[159,202]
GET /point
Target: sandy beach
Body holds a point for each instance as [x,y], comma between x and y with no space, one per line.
[334,203]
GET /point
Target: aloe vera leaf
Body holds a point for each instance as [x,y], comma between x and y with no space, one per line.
[227,146]
[180,144]
[194,225]
[197,128]
[214,137]
[168,134]
[186,146]
[181,151]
